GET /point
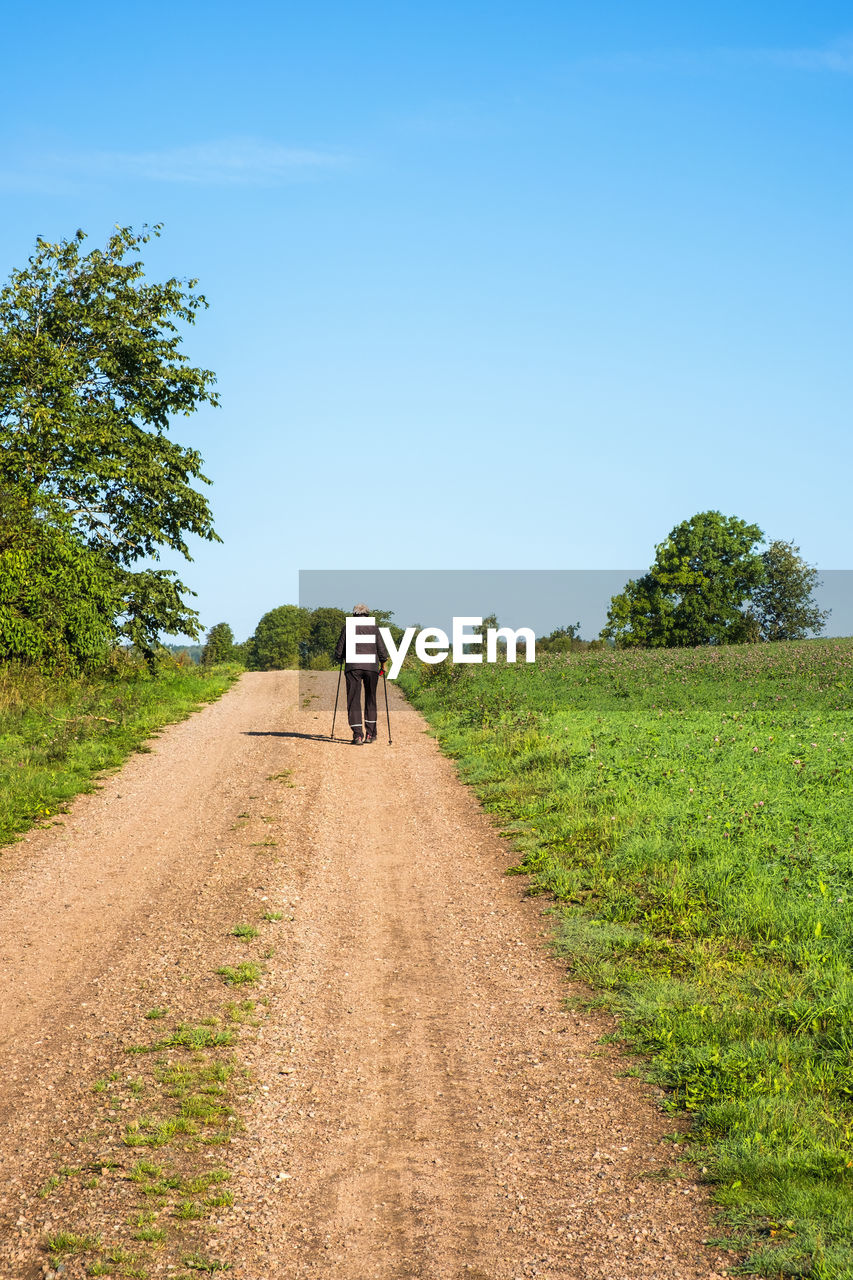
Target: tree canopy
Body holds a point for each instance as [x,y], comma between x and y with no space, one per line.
[91,372]
[710,584]
[57,597]
[325,627]
[294,636]
[783,605]
[278,637]
[218,645]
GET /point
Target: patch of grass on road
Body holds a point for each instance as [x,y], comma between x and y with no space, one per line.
[152,1155]
[57,733]
[690,811]
[65,1243]
[240,974]
[187,1036]
[245,931]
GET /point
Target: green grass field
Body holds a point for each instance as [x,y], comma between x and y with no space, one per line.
[691,813]
[57,733]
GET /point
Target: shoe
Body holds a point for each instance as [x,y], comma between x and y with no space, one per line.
[357,739]
[370,737]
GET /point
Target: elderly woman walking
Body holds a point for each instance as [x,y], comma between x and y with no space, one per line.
[362,674]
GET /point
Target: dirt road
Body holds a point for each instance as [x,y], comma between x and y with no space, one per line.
[422,1105]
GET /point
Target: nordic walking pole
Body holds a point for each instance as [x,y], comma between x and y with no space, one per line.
[387,712]
[335,716]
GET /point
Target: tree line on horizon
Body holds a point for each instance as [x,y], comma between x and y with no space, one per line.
[287,637]
[710,584]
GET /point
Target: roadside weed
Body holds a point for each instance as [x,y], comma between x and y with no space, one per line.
[187,1036]
[147,1233]
[221,1200]
[188,1209]
[241,974]
[241,1012]
[70,1242]
[198,1262]
[245,931]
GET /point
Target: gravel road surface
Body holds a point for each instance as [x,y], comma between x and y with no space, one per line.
[422,1103]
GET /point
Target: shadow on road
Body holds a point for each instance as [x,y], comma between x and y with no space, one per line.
[309,737]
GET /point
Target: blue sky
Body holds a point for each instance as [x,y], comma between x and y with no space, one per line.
[491,285]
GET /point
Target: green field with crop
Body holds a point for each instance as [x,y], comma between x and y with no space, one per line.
[690,811]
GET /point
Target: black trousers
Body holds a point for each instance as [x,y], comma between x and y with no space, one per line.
[355,679]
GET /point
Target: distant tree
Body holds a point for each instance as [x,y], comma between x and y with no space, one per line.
[218,645]
[189,652]
[567,640]
[782,607]
[490,622]
[278,637]
[560,640]
[383,619]
[694,594]
[244,653]
[325,626]
[91,371]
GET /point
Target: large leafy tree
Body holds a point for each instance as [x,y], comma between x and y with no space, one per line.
[783,605]
[279,637]
[694,594]
[58,597]
[91,373]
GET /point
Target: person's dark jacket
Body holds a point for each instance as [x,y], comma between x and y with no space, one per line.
[364,664]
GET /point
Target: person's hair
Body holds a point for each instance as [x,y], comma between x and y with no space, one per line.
[360,611]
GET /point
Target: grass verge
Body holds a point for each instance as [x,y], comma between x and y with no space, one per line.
[689,811]
[58,733]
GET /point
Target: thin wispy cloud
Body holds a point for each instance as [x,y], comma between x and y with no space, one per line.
[240,161]
[836,58]
[223,162]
